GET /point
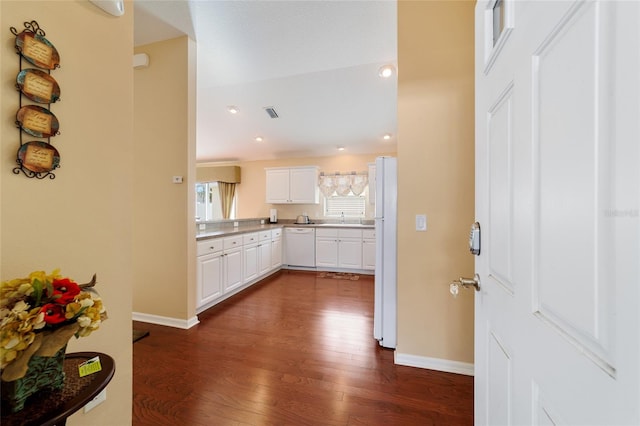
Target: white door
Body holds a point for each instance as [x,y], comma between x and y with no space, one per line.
[557,196]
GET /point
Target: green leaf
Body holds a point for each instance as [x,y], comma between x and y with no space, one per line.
[37,291]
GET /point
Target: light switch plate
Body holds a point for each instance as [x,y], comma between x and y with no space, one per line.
[421,222]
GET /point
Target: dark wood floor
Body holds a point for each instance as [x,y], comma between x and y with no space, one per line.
[293,350]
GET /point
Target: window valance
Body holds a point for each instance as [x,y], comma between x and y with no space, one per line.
[343,183]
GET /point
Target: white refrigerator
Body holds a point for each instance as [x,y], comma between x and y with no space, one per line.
[385,294]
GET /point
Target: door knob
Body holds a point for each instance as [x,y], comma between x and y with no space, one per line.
[465,282]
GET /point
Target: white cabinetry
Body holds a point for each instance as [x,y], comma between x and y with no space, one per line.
[341,248]
[369,249]
[225,265]
[297,185]
[264,252]
[250,256]
[327,248]
[209,271]
[276,248]
[232,263]
[219,268]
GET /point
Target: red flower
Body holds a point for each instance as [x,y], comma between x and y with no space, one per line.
[65,290]
[53,314]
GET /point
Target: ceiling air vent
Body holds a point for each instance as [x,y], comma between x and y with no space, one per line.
[272,112]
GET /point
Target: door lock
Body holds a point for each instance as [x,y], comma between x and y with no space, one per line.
[466,283]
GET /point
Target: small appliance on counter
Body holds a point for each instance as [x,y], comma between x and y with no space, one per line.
[303,219]
[273,216]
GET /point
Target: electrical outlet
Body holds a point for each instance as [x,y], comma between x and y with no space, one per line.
[99,399]
[235,224]
[202,226]
[177,179]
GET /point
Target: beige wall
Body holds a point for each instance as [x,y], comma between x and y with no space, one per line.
[436,177]
[164,212]
[80,221]
[252,191]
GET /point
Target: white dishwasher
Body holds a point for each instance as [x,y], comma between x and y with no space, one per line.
[300,247]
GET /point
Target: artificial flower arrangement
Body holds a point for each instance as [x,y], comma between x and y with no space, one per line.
[38,316]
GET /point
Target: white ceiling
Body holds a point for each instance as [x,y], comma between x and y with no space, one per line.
[315,62]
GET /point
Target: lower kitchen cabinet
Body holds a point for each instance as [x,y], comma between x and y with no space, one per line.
[326,250]
[276,248]
[350,252]
[264,252]
[209,278]
[250,257]
[226,264]
[232,269]
[339,248]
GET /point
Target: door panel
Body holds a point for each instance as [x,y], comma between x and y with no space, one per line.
[557,148]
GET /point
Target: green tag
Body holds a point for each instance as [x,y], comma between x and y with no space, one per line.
[90,366]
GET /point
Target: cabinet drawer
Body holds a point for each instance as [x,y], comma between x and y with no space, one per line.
[369,234]
[232,242]
[249,238]
[209,246]
[350,233]
[265,235]
[276,233]
[327,232]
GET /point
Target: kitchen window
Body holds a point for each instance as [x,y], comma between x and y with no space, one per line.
[349,206]
[344,194]
[209,204]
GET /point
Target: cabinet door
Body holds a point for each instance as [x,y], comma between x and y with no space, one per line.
[278,186]
[369,254]
[303,186]
[233,269]
[250,254]
[326,252]
[276,253]
[350,254]
[209,278]
[264,257]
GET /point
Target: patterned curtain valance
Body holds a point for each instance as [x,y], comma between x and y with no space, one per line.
[343,183]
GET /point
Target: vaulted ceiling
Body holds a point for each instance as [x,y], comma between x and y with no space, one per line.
[315,62]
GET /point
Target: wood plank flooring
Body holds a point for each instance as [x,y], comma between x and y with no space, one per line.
[294,349]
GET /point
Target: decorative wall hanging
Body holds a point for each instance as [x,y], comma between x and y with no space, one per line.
[36,158]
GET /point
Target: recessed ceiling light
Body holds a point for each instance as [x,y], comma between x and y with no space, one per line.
[341,148]
[259,139]
[386,71]
[386,136]
[232,109]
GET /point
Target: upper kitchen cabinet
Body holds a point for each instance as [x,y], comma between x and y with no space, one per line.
[292,185]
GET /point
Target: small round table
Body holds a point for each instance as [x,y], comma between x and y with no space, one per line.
[49,408]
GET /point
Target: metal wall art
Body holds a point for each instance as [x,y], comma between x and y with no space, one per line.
[36,158]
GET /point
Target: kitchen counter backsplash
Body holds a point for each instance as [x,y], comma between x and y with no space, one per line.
[226,227]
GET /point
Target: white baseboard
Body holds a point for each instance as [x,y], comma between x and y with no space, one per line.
[437,364]
[168,321]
